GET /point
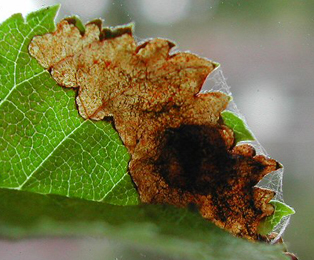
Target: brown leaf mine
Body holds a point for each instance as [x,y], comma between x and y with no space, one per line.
[181,152]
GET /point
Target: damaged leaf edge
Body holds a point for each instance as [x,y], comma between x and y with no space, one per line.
[269,223]
[106,32]
[238,126]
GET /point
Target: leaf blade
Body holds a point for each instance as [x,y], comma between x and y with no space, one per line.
[39,122]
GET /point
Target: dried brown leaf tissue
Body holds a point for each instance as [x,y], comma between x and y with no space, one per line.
[182,153]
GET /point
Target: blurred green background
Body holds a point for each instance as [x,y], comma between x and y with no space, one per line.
[266,50]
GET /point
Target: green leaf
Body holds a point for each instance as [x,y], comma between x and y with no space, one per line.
[241,132]
[46,147]
[172,231]
[281,210]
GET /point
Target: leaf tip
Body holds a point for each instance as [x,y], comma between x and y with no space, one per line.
[237,125]
[270,222]
[77,22]
[216,64]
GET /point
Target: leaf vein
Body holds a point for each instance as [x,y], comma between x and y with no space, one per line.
[50,154]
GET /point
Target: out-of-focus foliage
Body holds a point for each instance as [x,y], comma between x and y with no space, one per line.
[163,229]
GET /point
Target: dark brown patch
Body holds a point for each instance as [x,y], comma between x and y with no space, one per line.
[194,158]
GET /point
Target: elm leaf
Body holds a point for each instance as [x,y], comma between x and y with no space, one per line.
[241,132]
[48,148]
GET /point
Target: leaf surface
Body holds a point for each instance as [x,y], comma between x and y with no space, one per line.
[241,132]
[46,147]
